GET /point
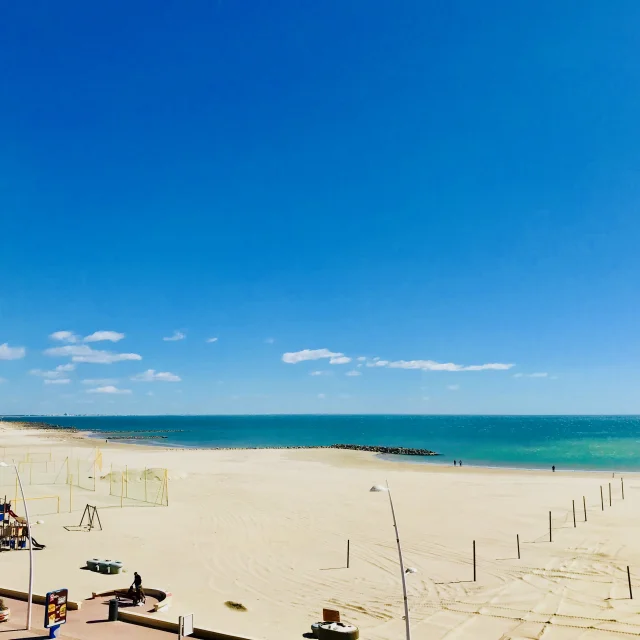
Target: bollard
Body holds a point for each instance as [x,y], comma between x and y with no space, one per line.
[474,560]
[113,610]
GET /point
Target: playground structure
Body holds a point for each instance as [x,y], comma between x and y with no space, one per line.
[56,483]
[90,515]
[14,533]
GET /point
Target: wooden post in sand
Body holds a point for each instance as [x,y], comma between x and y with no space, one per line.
[629,579]
[518,543]
[348,551]
[609,494]
[622,486]
[474,560]
[601,498]
[573,504]
[550,538]
[584,504]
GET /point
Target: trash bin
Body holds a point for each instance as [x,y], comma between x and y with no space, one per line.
[115,567]
[113,610]
[93,564]
[104,566]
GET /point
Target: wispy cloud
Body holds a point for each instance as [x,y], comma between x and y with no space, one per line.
[453,387]
[100,381]
[211,340]
[293,357]
[64,336]
[541,374]
[340,360]
[100,336]
[57,381]
[108,389]
[84,353]
[431,365]
[322,396]
[353,373]
[65,367]
[150,375]
[269,340]
[361,359]
[2,380]
[177,335]
[11,353]
[319,373]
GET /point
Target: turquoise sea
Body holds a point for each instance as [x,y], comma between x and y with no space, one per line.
[569,442]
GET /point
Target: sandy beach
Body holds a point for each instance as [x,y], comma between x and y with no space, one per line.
[269,529]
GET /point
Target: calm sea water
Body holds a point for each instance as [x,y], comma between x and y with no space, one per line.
[570,442]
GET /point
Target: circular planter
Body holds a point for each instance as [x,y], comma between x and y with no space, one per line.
[335,631]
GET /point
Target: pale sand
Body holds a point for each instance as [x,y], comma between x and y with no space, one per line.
[269,529]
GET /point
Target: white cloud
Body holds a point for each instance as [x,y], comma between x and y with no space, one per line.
[84,353]
[340,360]
[177,335]
[11,353]
[376,362]
[321,396]
[269,340]
[58,381]
[361,359]
[46,374]
[319,373]
[64,336]
[100,336]
[453,387]
[150,375]
[309,354]
[541,374]
[108,389]
[101,381]
[65,367]
[353,373]
[431,365]
[211,340]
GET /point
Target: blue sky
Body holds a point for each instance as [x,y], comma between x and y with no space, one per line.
[418,182]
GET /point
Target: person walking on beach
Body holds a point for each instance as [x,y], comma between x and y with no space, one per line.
[455,463]
[459,463]
[553,468]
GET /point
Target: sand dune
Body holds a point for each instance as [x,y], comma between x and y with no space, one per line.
[269,529]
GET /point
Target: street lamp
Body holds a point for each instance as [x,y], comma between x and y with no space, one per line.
[379,488]
[26,514]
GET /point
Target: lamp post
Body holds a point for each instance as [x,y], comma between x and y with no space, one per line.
[26,514]
[377,488]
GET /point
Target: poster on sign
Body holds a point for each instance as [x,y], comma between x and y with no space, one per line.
[55,610]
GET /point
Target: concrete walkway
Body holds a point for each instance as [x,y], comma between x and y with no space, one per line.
[89,623]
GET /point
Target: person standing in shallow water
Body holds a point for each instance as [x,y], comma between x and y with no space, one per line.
[553,468]
[455,463]
[459,463]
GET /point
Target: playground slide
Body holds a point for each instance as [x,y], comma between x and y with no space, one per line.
[36,545]
[17,518]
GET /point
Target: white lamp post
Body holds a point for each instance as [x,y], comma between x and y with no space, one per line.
[378,487]
[26,514]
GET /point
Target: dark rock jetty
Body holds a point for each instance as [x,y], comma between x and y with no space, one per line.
[399,451]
